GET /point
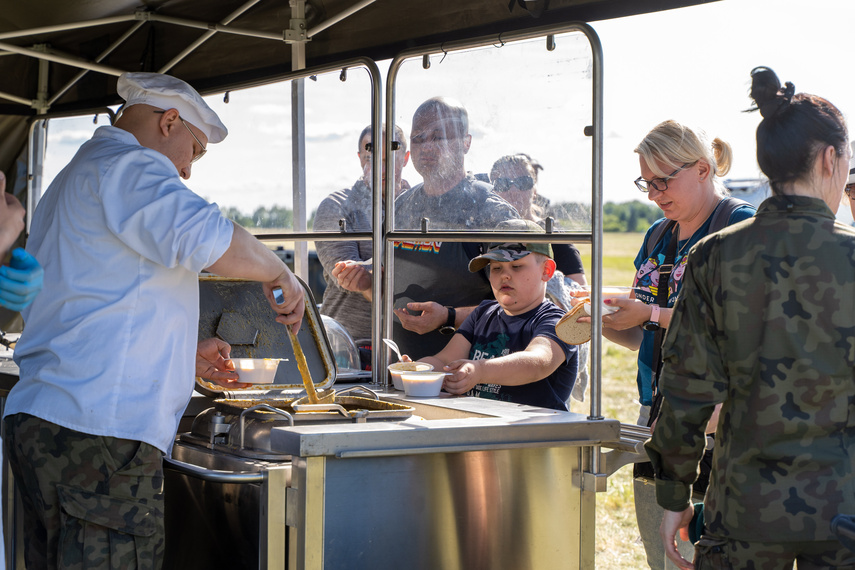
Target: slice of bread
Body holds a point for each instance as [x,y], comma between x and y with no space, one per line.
[573,332]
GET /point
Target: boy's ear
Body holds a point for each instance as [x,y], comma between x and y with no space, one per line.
[548,269]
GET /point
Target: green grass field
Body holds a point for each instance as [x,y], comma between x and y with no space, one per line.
[618,545]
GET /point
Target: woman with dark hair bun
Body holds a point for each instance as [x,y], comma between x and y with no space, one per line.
[765,326]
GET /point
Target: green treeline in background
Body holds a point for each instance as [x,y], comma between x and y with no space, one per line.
[274,217]
[624,217]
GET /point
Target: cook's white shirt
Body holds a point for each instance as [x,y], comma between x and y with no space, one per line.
[109,344]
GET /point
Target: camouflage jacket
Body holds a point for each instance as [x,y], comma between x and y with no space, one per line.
[765,325]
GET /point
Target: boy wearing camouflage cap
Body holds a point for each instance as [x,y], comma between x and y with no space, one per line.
[507,349]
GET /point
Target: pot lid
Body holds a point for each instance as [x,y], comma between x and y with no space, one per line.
[237,311]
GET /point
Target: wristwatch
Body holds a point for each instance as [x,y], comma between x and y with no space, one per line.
[448,327]
[653,324]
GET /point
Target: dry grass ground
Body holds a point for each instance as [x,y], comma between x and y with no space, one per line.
[617,544]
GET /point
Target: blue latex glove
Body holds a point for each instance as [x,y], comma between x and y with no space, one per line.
[20,281]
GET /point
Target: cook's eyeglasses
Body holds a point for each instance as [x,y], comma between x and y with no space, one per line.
[659,184]
[183,122]
[848,190]
[369,147]
[521,182]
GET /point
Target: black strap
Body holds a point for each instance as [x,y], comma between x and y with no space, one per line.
[723,210]
[720,218]
[656,235]
[662,300]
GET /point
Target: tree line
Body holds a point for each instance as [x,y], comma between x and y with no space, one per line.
[617,217]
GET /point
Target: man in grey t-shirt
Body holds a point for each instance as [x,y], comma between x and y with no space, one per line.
[347,264]
[434,290]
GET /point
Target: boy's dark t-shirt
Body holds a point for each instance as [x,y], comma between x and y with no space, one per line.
[492,333]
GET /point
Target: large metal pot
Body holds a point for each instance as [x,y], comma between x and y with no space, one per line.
[225,485]
[221,510]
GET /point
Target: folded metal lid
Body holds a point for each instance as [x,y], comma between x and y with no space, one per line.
[237,311]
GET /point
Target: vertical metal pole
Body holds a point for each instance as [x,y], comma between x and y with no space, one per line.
[298,142]
[35,166]
[273,529]
[37,142]
[389,225]
[35,170]
[378,246]
[596,239]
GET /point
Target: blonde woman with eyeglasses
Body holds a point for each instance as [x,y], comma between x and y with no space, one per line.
[679,173]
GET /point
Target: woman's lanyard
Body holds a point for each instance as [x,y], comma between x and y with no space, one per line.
[662,300]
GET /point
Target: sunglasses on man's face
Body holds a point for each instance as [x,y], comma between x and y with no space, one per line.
[848,191]
[369,147]
[521,182]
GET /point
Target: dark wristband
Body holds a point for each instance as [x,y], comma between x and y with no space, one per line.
[448,327]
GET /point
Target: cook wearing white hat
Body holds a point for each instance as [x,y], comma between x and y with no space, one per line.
[166,92]
[122,241]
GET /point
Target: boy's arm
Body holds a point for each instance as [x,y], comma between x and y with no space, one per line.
[456,349]
[540,358]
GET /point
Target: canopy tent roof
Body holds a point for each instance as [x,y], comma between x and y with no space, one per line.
[249,45]
[61,57]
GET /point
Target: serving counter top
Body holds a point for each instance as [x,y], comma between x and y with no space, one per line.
[446,424]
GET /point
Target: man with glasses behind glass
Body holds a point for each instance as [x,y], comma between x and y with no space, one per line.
[434,290]
[107,354]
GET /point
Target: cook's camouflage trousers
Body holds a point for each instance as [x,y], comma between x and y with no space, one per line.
[89,501]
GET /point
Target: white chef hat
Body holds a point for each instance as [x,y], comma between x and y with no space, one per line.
[852,165]
[166,92]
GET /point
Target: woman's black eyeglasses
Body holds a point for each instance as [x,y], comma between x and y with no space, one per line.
[521,182]
[660,184]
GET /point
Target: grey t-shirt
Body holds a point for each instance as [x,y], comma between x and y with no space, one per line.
[354,205]
[439,271]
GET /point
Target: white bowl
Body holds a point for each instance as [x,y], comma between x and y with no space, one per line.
[397,368]
[610,293]
[256,370]
[422,384]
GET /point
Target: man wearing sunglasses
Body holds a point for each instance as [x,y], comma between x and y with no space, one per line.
[434,290]
[514,178]
[107,354]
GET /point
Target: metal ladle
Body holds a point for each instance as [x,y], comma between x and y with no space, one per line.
[394,346]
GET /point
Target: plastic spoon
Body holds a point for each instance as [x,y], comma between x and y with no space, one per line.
[394,346]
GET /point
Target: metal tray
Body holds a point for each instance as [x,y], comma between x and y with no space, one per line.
[242,426]
[342,408]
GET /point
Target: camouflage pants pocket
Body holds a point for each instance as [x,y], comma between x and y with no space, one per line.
[711,554]
[99,531]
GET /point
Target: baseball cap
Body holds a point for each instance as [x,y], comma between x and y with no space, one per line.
[511,251]
[167,92]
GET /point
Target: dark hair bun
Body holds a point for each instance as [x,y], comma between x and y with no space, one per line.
[767,93]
